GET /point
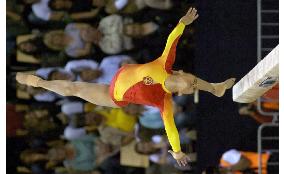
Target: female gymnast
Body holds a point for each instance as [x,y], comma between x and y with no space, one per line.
[148,84]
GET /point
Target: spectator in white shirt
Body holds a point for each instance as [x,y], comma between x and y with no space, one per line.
[132,6]
[118,32]
[41,10]
[113,36]
[85,70]
[50,10]
[77,9]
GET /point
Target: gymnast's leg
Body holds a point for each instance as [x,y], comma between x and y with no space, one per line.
[186,83]
[92,92]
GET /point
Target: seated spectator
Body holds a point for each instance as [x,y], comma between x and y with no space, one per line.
[236,161]
[132,6]
[40,123]
[117,32]
[121,118]
[81,124]
[70,108]
[151,117]
[76,9]
[251,111]
[85,70]
[48,10]
[113,36]
[111,6]
[30,156]
[115,126]
[36,48]
[70,40]
[157,148]
[82,154]
[41,10]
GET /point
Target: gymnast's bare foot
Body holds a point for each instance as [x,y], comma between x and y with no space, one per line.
[220,88]
[27,79]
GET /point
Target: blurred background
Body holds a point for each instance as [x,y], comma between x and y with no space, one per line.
[89,40]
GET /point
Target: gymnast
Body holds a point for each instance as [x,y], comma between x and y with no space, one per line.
[147,84]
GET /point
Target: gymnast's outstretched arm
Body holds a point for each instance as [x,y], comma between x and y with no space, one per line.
[168,56]
[92,92]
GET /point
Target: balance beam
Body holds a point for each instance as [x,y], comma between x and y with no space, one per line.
[259,80]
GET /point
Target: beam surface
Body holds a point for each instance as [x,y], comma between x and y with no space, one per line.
[259,80]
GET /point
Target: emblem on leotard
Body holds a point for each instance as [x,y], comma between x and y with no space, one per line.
[148,80]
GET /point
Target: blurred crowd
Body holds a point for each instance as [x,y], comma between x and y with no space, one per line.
[89,40]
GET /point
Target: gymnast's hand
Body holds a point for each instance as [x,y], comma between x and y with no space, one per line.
[180,157]
[189,17]
[27,79]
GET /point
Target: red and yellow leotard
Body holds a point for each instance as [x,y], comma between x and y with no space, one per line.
[144,84]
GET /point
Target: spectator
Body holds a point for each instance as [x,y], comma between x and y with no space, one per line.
[132,6]
[82,154]
[36,48]
[85,70]
[70,40]
[47,10]
[76,9]
[250,110]
[234,161]
[112,36]
[111,6]
[115,123]
[41,10]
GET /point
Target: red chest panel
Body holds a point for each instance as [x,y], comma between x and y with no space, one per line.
[140,93]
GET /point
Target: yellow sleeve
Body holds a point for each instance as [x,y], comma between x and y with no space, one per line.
[177,31]
[170,127]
